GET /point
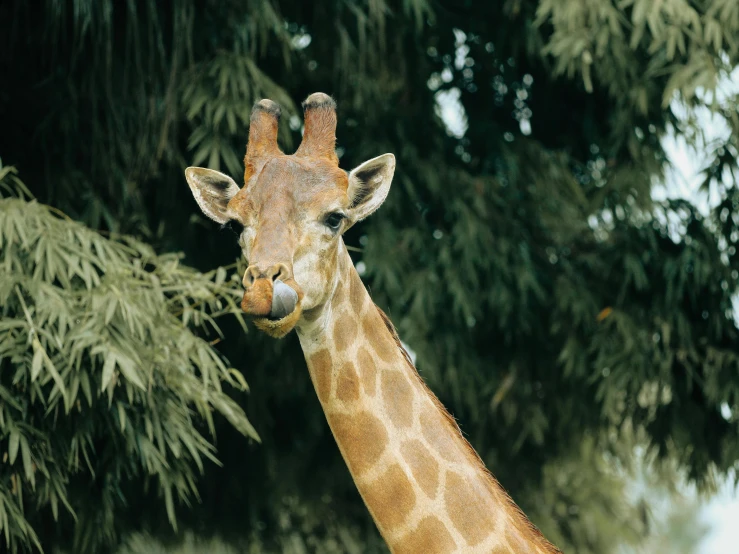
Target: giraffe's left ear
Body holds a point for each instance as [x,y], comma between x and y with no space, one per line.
[368,186]
[212,191]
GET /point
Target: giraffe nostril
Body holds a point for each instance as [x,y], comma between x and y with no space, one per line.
[276,272]
[250,275]
[280,273]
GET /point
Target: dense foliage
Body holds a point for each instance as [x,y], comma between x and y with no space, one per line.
[560,313]
[103,382]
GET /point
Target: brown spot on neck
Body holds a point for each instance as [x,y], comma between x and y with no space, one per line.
[347,383]
[358,295]
[367,370]
[430,537]
[390,497]
[345,331]
[424,468]
[319,366]
[378,337]
[441,436]
[361,437]
[467,507]
[397,396]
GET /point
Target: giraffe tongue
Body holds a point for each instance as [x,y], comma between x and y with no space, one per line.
[284,300]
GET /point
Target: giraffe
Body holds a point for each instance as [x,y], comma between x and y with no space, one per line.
[425,487]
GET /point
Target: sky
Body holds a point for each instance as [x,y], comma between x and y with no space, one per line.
[722,513]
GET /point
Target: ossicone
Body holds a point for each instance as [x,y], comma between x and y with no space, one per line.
[319,138]
[263,128]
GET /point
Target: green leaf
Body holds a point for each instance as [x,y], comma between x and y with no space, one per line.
[13,443]
[85,385]
[130,372]
[121,416]
[38,359]
[236,374]
[27,460]
[108,369]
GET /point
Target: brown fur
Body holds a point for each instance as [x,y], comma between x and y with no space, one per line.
[397,396]
[424,468]
[430,537]
[258,298]
[368,370]
[320,366]
[382,344]
[345,330]
[319,138]
[347,385]
[390,497]
[357,294]
[445,444]
[263,129]
[364,439]
[471,514]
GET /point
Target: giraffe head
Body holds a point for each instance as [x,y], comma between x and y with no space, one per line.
[291,211]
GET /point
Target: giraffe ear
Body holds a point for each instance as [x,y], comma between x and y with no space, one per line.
[369,184]
[212,191]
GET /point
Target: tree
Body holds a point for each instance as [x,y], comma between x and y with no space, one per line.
[551,302]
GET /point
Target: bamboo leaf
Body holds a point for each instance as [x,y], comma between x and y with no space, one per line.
[37,362]
[27,460]
[13,443]
[108,370]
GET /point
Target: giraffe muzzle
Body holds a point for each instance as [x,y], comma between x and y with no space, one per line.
[274,304]
[271,299]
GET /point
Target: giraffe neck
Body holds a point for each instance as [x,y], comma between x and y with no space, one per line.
[425,487]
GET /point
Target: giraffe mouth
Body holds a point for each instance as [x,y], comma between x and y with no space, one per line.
[284,313]
[278,328]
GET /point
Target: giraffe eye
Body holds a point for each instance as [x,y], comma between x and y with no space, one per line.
[333,220]
[234,226]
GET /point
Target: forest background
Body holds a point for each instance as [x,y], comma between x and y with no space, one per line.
[579,329]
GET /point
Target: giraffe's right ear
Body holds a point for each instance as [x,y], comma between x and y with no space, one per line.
[212,191]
